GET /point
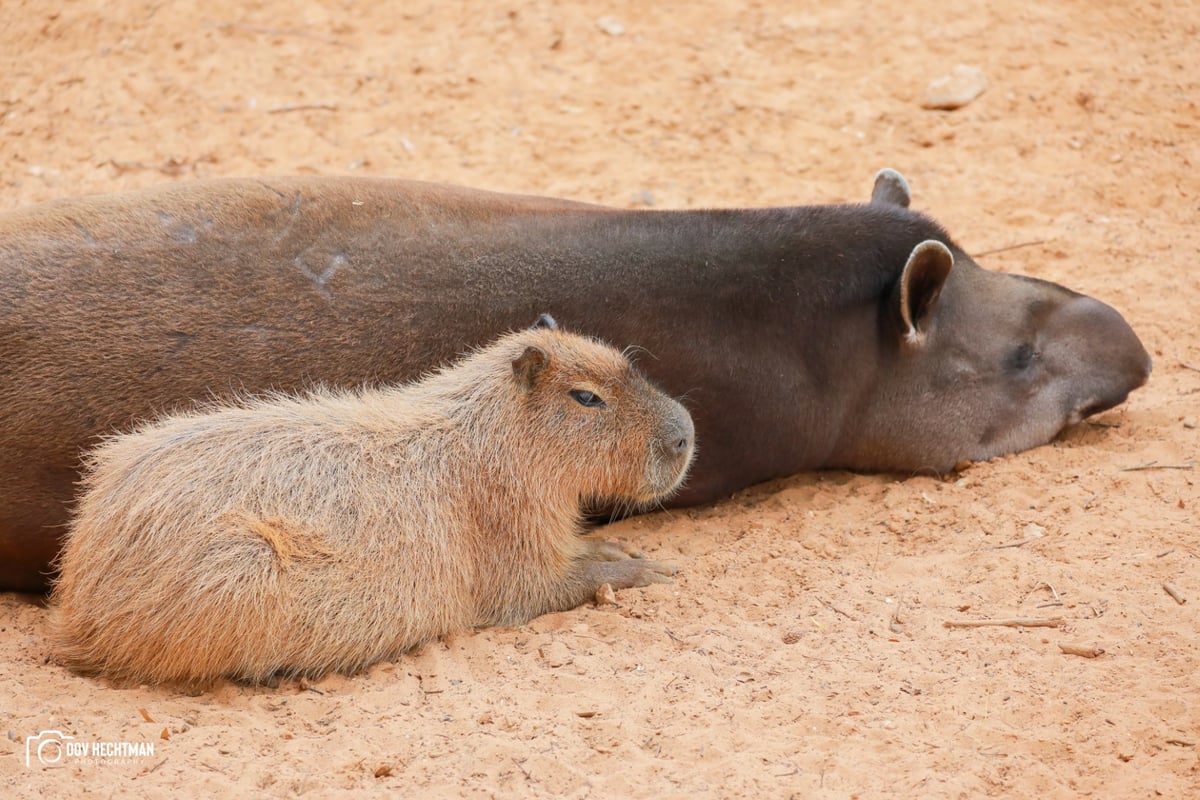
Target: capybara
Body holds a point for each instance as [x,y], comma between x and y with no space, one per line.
[297,536]
[857,336]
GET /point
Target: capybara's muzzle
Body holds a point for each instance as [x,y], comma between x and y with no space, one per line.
[672,452]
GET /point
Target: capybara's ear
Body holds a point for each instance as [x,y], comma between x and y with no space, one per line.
[545,321]
[527,367]
[921,285]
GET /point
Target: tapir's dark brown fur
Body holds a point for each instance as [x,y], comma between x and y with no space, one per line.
[854,336]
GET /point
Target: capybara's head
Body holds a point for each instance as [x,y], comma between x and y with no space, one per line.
[614,436]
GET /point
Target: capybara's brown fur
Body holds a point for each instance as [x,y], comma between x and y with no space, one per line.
[287,536]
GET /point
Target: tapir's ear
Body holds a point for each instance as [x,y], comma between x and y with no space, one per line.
[527,367]
[544,321]
[920,286]
[890,189]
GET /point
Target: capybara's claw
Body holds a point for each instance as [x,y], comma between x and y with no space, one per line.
[607,551]
[613,551]
[632,572]
[659,573]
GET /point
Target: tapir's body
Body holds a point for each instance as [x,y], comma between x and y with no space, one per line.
[800,338]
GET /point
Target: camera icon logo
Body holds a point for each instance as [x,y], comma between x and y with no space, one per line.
[48,748]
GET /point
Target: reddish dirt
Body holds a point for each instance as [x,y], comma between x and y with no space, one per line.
[802,651]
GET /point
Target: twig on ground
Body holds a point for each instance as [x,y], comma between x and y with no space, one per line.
[1086,651]
[303,107]
[1017,622]
[835,609]
[1172,590]
[1009,247]
[1057,601]
[1156,465]
[237,26]
[1021,543]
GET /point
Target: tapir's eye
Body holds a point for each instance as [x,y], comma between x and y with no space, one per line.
[586,398]
[1023,357]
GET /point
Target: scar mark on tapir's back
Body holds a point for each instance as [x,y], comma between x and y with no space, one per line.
[179,230]
[320,279]
[85,232]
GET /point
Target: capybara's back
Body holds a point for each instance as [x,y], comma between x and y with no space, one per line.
[303,535]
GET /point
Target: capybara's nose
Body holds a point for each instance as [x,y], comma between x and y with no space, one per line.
[681,434]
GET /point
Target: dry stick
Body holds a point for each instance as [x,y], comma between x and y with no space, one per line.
[1192,367]
[1019,622]
[1057,601]
[895,622]
[1153,465]
[234,26]
[835,609]
[303,107]
[1081,650]
[1021,543]
[1171,589]
[1009,247]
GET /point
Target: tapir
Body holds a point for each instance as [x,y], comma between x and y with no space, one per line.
[857,336]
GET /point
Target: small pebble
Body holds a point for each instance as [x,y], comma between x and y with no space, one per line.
[611,25]
[955,90]
[605,596]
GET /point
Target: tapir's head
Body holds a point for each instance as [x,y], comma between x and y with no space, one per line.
[977,363]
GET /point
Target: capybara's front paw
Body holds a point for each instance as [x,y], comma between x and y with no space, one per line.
[630,572]
[610,551]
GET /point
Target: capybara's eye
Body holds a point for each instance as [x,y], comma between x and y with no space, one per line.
[586,398]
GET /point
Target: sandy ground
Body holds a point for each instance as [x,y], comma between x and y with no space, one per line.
[802,651]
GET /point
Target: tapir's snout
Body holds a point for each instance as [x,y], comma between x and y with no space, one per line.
[1105,358]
